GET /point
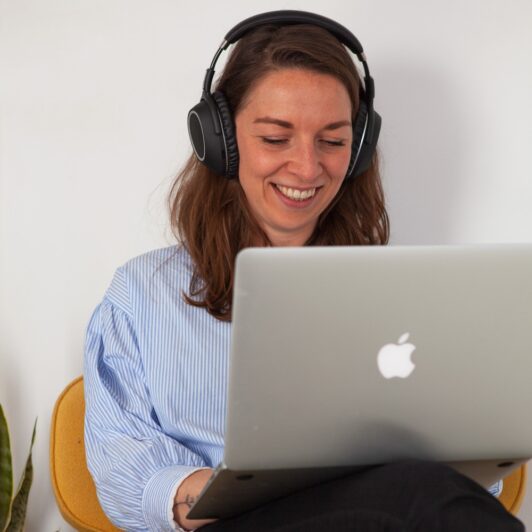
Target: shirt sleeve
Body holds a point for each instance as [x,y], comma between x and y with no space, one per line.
[496,489]
[136,467]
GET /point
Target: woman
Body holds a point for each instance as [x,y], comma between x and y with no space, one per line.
[302,171]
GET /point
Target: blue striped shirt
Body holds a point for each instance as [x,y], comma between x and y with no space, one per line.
[155,377]
[155,389]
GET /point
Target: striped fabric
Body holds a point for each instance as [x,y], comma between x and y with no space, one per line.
[496,489]
[155,385]
[155,389]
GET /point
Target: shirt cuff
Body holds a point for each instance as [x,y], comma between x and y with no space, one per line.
[159,494]
[496,489]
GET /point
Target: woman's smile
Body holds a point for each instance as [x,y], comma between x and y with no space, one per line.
[297,198]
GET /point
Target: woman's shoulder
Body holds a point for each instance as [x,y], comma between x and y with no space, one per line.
[167,259]
[162,269]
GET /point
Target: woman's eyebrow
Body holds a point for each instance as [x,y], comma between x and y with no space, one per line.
[338,125]
[289,125]
[276,121]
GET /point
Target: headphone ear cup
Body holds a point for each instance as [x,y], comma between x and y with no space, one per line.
[228,129]
[369,143]
[359,130]
[206,135]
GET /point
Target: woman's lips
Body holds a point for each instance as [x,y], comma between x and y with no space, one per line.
[295,197]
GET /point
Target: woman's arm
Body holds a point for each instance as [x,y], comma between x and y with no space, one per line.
[186,496]
[137,468]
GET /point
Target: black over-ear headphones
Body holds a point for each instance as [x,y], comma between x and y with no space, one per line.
[210,123]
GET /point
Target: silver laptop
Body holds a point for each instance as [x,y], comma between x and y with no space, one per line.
[344,357]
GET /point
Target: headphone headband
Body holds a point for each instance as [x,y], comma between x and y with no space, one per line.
[287,17]
[210,122]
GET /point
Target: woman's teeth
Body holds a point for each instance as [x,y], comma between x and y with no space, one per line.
[295,194]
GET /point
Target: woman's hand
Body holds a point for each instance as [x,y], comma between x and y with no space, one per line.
[187,495]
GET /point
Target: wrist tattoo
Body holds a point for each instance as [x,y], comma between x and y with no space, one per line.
[189,501]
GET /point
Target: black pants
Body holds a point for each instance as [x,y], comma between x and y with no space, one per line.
[409,496]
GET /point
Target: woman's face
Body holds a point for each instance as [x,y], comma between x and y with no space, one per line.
[294,136]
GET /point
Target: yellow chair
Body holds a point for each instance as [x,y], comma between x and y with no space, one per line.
[74,489]
[73,486]
[514,489]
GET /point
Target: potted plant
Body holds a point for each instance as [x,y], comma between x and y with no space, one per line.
[13,509]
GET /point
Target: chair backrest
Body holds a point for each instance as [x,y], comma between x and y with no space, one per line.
[72,483]
[74,488]
[514,488]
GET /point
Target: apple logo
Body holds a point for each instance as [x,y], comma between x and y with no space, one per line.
[394,359]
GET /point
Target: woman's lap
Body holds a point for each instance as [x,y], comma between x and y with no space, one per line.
[404,496]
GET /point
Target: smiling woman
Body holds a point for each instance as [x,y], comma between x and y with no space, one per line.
[284,155]
[295,94]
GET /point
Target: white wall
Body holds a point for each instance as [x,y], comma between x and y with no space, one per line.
[93,103]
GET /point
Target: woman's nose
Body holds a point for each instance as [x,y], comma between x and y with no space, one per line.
[305,161]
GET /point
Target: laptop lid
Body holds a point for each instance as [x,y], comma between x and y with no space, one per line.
[360,355]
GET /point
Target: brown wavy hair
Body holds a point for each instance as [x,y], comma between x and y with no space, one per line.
[210,214]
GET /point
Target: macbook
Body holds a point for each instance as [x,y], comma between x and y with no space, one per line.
[347,357]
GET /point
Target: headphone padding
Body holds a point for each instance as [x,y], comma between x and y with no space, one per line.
[358,139]
[369,145]
[228,127]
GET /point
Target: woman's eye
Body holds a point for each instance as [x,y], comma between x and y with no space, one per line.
[334,142]
[275,141]
[269,140]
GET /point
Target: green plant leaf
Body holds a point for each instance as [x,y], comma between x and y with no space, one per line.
[20,502]
[6,472]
